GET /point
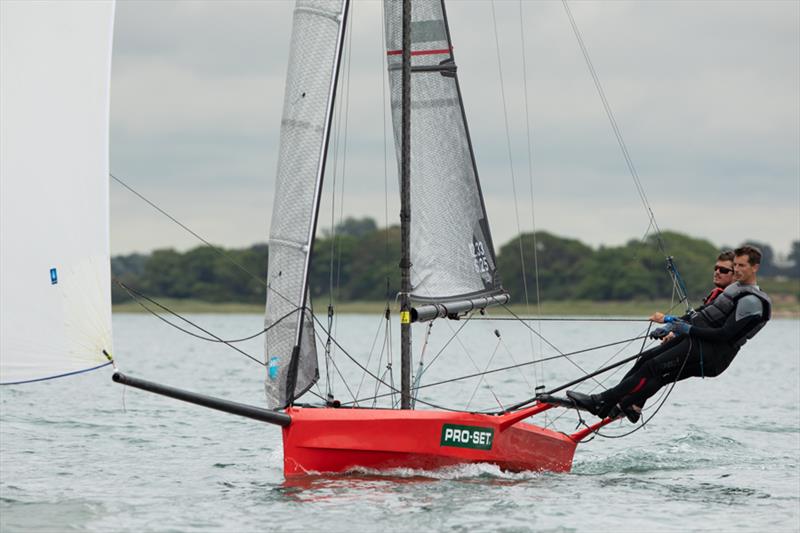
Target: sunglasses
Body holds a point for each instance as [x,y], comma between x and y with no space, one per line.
[723,270]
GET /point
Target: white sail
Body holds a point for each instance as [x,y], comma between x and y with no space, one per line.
[55,310]
[452,255]
[307,104]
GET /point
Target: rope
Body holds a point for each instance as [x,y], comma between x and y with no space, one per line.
[170,311]
[519,365]
[550,343]
[614,126]
[676,279]
[563,319]
[660,405]
[391,387]
[617,366]
[531,188]
[483,375]
[195,335]
[219,251]
[371,352]
[514,181]
[421,365]
[335,366]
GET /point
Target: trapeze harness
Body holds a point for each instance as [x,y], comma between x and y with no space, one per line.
[719,330]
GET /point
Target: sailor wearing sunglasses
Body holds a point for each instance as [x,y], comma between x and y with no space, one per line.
[723,275]
[706,343]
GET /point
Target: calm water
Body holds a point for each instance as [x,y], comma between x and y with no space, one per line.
[87,455]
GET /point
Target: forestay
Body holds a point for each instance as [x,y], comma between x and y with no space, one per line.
[316,38]
[55,68]
[452,256]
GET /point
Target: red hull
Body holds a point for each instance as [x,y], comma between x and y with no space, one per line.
[336,440]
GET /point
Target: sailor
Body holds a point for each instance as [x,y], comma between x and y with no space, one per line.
[722,277]
[706,343]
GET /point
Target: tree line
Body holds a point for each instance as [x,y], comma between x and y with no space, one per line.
[359,262]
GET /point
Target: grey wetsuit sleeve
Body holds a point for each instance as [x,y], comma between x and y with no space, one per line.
[744,318]
[748,306]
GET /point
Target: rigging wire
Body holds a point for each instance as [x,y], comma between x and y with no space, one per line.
[483,375]
[540,360]
[335,244]
[195,335]
[644,336]
[660,405]
[133,291]
[531,189]
[387,347]
[345,142]
[383,70]
[219,251]
[614,126]
[519,365]
[329,397]
[391,387]
[559,319]
[420,366]
[511,168]
[548,342]
[626,156]
[465,350]
[514,361]
[369,357]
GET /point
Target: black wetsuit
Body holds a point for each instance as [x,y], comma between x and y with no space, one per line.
[717,333]
[665,345]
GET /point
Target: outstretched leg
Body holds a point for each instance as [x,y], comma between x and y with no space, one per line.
[657,367]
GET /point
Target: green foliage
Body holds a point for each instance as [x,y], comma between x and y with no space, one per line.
[361,267]
[201,273]
[354,227]
[562,264]
[360,263]
[793,271]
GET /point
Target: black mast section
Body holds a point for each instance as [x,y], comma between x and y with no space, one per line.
[405,216]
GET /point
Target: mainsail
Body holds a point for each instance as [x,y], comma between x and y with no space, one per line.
[453,260]
[290,350]
[55,71]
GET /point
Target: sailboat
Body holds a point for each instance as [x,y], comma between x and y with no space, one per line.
[55,275]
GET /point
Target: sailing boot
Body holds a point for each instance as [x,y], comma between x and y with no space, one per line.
[589,402]
[558,401]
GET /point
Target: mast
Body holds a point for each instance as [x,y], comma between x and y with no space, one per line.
[405,216]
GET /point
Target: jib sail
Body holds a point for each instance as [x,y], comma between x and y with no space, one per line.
[290,351]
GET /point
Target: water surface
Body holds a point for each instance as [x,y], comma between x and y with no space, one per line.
[85,454]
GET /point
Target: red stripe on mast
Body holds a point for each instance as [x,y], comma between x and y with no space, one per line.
[420,52]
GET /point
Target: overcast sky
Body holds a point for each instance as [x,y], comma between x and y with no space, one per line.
[706,94]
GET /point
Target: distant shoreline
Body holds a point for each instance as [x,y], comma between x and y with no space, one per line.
[641,309]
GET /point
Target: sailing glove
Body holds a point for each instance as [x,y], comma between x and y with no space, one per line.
[660,333]
[679,327]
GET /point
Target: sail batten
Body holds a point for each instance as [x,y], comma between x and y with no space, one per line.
[452,255]
[55,310]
